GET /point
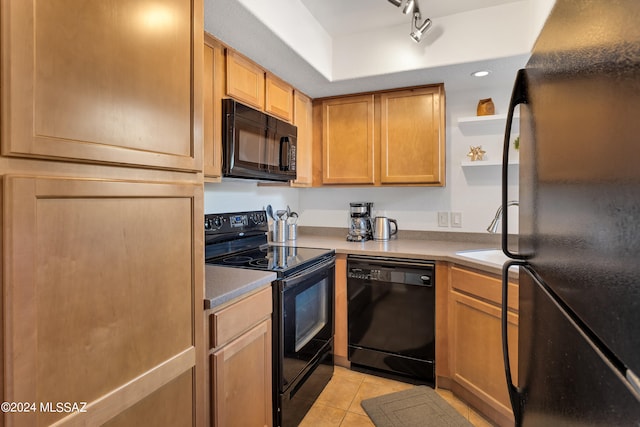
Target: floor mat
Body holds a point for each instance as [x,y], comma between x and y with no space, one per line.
[417,407]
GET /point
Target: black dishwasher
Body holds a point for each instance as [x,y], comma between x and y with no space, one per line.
[391,315]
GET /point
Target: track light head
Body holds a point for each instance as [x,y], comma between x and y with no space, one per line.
[396,3]
[408,7]
[418,32]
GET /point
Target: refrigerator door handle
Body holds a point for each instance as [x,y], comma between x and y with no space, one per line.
[514,392]
[519,95]
[633,380]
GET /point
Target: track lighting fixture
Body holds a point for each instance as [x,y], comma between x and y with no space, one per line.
[417,29]
[408,7]
[416,34]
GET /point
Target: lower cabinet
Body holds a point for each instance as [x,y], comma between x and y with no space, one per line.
[100,279]
[475,342]
[240,363]
[340,336]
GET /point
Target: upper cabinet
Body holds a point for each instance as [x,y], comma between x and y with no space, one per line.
[412,136]
[84,85]
[385,138]
[248,83]
[303,119]
[348,131]
[213,92]
[278,98]
[245,80]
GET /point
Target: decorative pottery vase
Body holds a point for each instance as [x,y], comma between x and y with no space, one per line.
[486,107]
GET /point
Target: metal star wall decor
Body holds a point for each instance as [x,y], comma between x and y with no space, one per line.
[476,153]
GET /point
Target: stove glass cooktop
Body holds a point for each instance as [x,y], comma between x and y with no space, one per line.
[272,258]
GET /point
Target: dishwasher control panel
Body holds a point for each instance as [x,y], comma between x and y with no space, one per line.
[392,271]
[365,274]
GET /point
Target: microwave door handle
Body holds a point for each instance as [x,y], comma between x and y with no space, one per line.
[284,153]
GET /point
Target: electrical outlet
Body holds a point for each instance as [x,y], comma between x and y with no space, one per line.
[456,219]
[443,219]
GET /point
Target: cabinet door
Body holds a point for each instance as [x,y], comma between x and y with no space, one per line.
[340,338]
[278,98]
[213,89]
[245,80]
[109,81]
[475,343]
[241,378]
[412,138]
[303,119]
[102,297]
[348,140]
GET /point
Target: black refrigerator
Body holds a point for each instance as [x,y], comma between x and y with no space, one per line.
[578,247]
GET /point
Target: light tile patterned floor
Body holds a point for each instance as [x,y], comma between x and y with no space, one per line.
[339,403]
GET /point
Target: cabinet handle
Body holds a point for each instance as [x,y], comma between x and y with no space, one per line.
[514,393]
[519,95]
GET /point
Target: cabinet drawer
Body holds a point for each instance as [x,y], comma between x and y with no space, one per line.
[233,320]
[482,286]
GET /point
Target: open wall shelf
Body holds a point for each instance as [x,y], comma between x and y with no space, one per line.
[487,125]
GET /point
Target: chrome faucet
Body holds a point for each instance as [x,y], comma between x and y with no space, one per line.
[493,227]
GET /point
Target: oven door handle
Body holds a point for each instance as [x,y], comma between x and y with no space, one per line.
[305,274]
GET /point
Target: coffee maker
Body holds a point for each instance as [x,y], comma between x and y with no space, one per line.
[360,228]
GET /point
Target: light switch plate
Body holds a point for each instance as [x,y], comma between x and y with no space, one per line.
[456,219]
[443,219]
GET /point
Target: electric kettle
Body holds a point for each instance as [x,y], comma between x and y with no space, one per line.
[382,228]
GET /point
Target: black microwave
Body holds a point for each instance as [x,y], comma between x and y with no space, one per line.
[256,145]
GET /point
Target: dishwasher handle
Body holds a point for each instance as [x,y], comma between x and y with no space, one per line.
[373,261]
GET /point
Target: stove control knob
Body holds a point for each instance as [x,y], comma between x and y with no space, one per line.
[207,223]
[217,222]
[258,218]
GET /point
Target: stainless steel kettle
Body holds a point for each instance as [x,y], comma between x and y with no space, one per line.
[382,228]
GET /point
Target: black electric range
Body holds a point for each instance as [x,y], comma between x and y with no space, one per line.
[240,239]
[302,306]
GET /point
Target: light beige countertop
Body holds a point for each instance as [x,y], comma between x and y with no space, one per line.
[224,284]
[426,245]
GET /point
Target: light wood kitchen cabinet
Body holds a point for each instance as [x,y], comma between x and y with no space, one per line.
[248,83]
[213,92]
[98,307]
[348,131]
[278,98]
[245,80]
[412,136]
[102,205]
[303,120]
[240,362]
[340,338]
[80,84]
[384,138]
[475,342]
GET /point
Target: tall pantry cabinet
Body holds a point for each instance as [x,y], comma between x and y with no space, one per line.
[102,201]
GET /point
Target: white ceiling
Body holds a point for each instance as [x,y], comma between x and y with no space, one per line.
[339,17]
[234,24]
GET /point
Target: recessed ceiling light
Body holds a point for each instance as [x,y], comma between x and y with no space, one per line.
[481,73]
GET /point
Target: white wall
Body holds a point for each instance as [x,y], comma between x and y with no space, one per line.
[473,192]
[236,195]
[481,34]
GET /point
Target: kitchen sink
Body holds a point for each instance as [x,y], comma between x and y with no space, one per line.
[489,256]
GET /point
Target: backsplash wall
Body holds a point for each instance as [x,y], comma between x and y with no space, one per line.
[474,192]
